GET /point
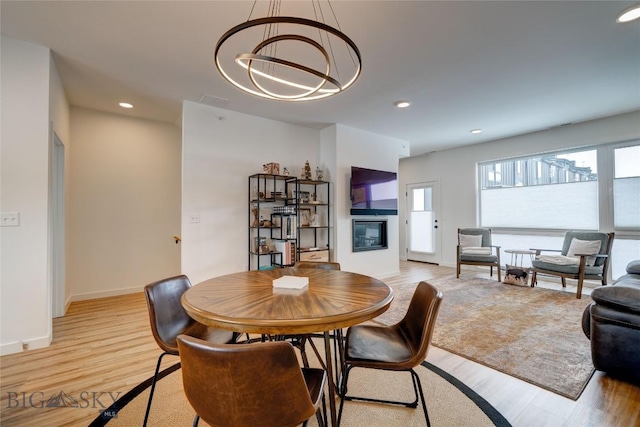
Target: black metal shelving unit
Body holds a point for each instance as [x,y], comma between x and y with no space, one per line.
[282,210]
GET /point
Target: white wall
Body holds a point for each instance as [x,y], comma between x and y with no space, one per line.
[60,117]
[456,169]
[221,149]
[59,106]
[24,300]
[353,147]
[124,204]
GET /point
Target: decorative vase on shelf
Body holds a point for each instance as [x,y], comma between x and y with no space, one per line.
[318,174]
[306,171]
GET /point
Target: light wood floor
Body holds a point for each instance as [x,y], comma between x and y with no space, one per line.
[103,348]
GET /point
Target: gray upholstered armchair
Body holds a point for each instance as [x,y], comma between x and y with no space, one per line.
[584,255]
[475,248]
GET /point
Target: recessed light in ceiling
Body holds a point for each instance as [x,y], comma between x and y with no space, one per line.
[476,131]
[630,14]
[125,105]
[402,104]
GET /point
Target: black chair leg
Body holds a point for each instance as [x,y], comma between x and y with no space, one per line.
[424,404]
[324,411]
[321,417]
[196,419]
[342,390]
[153,388]
[417,388]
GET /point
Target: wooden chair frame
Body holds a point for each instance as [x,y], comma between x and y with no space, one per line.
[490,264]
[581,275]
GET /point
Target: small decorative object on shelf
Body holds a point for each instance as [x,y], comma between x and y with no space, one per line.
[285,172]
[265,223]
[306,171]
[271,168]
[318,174]
[302,196]
[261,246]
[305,217]
[254,212]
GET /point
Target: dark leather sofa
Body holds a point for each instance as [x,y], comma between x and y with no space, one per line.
[612,323]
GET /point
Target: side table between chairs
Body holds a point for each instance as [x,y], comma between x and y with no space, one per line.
[515,272]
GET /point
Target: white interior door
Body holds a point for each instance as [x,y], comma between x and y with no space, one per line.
[423,238]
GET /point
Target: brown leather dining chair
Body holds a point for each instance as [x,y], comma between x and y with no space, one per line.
[168,320]
[325,265]
[399,347]
[300,341]
[258,384]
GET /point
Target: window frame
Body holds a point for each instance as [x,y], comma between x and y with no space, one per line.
[606,173]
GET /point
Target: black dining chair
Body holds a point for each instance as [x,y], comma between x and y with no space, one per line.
[168,320]
[399,347]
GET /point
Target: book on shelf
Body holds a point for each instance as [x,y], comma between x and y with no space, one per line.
[289,227]
[287,250]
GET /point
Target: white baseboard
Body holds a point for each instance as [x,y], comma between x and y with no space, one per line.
[10,348]
[20,346]
[35,343]
[105,294]
[67,303]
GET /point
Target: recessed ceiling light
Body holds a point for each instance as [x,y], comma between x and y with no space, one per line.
[476,131]
[402,104]
[630,14]
[125,105]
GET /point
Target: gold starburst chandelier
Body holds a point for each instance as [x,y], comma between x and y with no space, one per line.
[289,58]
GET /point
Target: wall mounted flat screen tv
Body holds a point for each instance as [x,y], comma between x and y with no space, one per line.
[373,192]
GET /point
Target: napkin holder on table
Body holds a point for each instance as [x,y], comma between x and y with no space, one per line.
[291,282]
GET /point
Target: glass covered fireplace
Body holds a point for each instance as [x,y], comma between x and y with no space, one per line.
[369,234]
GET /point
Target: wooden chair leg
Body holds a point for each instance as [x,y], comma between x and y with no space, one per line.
[579,292]
[534,278]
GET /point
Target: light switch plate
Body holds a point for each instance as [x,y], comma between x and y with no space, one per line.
[9,219]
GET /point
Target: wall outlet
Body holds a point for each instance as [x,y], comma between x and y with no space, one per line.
[194,219]
[9,219]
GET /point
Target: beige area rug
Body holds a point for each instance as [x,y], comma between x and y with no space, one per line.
[449,402]
[534,334]
[171,408]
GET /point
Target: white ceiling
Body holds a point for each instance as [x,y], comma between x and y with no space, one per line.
[508,67]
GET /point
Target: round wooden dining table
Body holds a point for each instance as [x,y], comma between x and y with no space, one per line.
[247,302]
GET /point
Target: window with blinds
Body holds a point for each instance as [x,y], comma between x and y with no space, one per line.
[626,188]
[555,191]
